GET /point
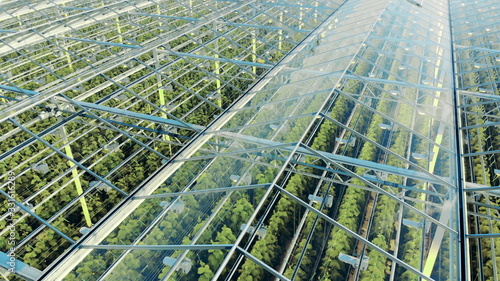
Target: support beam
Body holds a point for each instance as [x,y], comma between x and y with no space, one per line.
[101,42]
[117,129]
[479,95]
[274,28]
[240,62]
[322,168]
[165,16]
[17,267]
[376,144]
[483,235]
[369,79]
[203,191]
[66,156]
[473,187]
[27,210]
[489,206]
[488,124]
[343,159]
[283,4]
[462,47]
[386,193]
[7,31]
[481,153]
[76,8]
[159,247]
[18,90]
[262,264]
[145,117]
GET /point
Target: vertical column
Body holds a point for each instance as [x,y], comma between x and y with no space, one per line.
[158,79]
[254,46]
[118,28]
[65,14]
[7,75]
[217,66]
[76,178]
[280,32]
[301,23]
[316,11]
[68,59]
[161,93]
[254,51]
[158,12]
[66,54]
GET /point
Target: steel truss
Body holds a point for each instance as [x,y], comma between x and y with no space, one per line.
[172,132]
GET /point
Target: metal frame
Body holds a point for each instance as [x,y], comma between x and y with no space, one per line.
[320,45]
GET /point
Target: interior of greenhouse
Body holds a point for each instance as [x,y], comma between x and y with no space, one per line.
[250,140]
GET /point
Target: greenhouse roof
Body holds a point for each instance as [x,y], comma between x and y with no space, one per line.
[249,140]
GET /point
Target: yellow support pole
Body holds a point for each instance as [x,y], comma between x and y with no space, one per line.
[160,90]
[217,81]
[162,103]
[158,12]
[280,32]
[68,59]
[316,4]
[65,14]
[161,93]
[119,29]
[76,178]
[217,71]
[254,51]
[300,17]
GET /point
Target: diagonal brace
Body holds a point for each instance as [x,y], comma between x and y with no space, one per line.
[159,247]
[381,190]
[67,157]
[204,191]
